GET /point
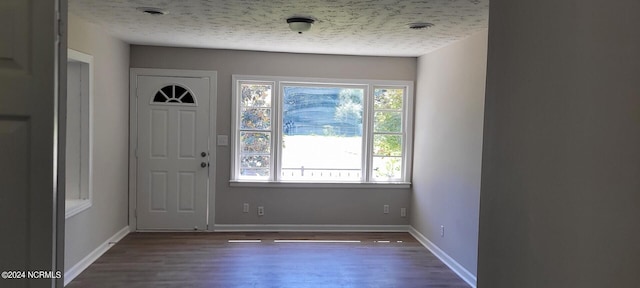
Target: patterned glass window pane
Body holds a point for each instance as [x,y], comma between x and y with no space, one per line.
[253,172]
[256,119]
[255,142]
[256,95]
[387,145]
[255,129]
[255,161]
[387,167]
[387,122]
[384,98]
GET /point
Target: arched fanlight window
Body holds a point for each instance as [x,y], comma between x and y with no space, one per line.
[171,94]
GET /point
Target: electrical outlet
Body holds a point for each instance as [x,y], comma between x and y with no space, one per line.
[403,212]
[260,210]
[386,209]
[245,208]
[441,230]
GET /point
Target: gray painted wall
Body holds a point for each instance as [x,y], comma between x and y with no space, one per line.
[286,205]
[87,230]
[560,197]
[448,147]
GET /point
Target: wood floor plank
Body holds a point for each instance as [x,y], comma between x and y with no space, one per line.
[210,260]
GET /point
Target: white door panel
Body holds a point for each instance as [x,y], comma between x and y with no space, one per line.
[173,132]
[29,215]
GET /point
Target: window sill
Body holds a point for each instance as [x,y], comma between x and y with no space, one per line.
[348,185]
[75,206]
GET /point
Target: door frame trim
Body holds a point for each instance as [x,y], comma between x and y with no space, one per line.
[133,135]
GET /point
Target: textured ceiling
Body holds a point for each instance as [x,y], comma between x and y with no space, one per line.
[351,27]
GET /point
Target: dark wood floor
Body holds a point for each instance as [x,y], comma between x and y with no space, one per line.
[209,260]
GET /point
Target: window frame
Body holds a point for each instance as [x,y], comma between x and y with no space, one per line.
[84,201]
[406,116]
[280,111]
[278,82]
[237,130]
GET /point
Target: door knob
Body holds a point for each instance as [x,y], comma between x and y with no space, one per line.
[204,164]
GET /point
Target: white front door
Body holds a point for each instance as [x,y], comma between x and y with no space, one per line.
[173,152]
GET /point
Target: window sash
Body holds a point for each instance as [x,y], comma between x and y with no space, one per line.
[333,170]
[375,158]
[241,156]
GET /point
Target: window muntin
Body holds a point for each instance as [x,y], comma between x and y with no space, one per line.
[327,120]
[173,94]
[291,116]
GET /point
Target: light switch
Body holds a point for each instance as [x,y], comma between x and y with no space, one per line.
[223,140]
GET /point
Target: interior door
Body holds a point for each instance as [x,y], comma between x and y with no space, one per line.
[29,211]
[173,153]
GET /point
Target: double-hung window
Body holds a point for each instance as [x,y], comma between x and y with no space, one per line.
[255,131]
[321,130]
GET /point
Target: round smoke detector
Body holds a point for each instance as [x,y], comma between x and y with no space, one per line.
[420,26]
[152,11]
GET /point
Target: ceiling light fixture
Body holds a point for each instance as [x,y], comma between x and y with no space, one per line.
[152,11]
[300,24]
[421,25]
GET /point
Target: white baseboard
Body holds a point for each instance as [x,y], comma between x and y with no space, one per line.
[74,271]
[446,259]
[308,228]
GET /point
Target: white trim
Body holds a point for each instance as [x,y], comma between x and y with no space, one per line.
[133,146]
[308,228]
[75,206]
[322,80]
[344,185]
[83,264]
[408,131]
[444,257]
